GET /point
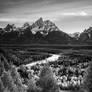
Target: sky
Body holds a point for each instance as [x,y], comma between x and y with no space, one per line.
[69,15]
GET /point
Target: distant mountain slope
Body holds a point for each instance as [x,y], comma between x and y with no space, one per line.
[39,32]
[86,36]
[43,26]
[58,37]
[42,32]
[75,35]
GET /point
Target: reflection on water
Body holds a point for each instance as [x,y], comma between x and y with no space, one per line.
[52,58]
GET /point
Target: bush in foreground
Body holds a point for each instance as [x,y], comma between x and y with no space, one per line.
[87,84]
[47,82]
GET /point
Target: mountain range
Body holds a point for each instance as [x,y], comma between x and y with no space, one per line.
[42,32]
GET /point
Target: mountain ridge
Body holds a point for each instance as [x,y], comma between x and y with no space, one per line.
[43,32]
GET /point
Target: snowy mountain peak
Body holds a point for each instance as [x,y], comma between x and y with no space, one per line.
[48,22]
[88,30]
[38,23]
[75,35]
[50,26]
[44,26]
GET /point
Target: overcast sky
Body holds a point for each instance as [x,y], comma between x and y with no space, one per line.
[69,15]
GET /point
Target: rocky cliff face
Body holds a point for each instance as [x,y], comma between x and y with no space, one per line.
[39,32]
[42,31]
[86,36]
[43,26]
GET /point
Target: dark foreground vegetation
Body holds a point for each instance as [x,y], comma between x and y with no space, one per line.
[48,46]
[71,72]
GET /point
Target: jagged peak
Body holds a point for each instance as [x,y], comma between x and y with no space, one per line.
[49,22]
[88,30]
[39,23]
[40,20]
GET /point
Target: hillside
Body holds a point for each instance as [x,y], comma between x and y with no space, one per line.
[86,36]
[42,32]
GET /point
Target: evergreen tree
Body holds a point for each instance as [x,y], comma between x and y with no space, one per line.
[1,86]
[47,82]
[8,82]
[87,84]
[31,86]
[17,80]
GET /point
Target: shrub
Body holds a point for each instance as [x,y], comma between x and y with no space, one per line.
[17,80]
[47,82]
[1,86]
[87,84]
[32,86]
[8,82]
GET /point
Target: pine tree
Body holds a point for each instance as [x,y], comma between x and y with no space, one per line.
[47,82]
[87,84]
[1,86]
[8,81]
[17,80]
[31,86]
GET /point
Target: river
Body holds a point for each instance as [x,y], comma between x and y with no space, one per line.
[52,58]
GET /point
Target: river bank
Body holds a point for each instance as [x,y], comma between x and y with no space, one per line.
[52,58]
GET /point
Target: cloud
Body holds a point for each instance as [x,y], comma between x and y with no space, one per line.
[53,16]
[61,12]
[15,20]
[82,13]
